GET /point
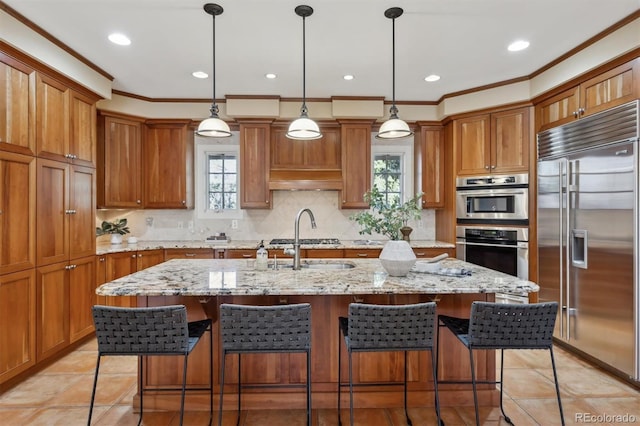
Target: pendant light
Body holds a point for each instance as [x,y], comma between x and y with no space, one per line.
[214,127]
[304,128]
[393,128]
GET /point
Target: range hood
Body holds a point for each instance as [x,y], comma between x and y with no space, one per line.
[305,180]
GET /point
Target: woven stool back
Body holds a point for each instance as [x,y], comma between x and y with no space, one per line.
[512,326]
[285,328]
[139,331]
[384,327]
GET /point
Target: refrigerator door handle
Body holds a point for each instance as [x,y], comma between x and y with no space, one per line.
[579,248]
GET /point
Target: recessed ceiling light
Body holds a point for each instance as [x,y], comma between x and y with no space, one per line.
[518,45]
[270,76]
[120,39]
[431,78]
[200,74]
[348,77]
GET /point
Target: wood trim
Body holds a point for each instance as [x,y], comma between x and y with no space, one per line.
[485,87]
[30,24]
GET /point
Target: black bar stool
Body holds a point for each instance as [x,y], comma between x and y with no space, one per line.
[384,328]
[504,326]
[264,329]
[150,331]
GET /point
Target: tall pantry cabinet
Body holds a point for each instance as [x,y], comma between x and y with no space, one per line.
[47,212]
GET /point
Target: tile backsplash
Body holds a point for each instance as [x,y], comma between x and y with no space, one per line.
[332,222]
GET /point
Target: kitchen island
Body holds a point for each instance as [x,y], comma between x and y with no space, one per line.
[202,285]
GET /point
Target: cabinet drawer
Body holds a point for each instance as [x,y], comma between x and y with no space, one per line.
[188,254]
[362,253]
[324,253]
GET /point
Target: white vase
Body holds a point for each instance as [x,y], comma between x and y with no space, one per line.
[397,258]
[116,239]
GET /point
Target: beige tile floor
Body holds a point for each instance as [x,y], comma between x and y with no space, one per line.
[60,394]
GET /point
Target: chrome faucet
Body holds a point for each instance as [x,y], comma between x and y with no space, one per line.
[295,251]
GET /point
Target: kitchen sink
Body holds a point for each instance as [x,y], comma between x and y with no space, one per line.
[310,265]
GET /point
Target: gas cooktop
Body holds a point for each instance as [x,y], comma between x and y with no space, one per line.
[277,241]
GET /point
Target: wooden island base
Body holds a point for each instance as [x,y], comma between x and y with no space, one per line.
[276,371]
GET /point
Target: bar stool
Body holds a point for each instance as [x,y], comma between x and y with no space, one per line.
[385,328]
[504,326]
[150,331]
[264,329]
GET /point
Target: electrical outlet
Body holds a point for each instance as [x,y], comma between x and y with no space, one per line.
[180,224]
[190,225]
[149,221]
[234,224]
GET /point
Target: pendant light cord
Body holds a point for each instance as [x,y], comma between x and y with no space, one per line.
[393,62]
[304,66]
[213,106]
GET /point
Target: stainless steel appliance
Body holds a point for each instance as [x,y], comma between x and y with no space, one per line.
[588,234]
[505,249]
[493,199]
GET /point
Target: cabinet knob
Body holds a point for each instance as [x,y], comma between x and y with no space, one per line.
[138,201]
[581,111]
[493,167]
[68,156]
[486,167]
[133,255]
[184,202]
[246,256]
[102,259]
[267,201]
[358,299]
[190,255]
[140,255]
[575,114]
[362,255]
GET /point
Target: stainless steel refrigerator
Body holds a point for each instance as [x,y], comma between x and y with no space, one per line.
[587,202]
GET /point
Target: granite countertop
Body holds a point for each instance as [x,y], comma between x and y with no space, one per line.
[208,277]
[104,248]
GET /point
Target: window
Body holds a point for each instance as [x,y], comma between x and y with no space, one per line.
[392,166]
[217,178]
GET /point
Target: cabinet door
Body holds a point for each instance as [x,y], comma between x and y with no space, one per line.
[52,286]
[119,163]
[118,265]
[17,212]
[510,141]
[17,124]
[148,258]
[101,276]
[557,110]
[17,323]
[52,212]
[472,144]
[167,157]
[356,164]
[612,88]
[52,119]
[82,296]
[82,239]
[254,166]
[429,165]
[319,253]
[82,138]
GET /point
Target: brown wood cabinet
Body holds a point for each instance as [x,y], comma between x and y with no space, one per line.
[65,123]
[201,253]
[314,164]
[119,169]
[167,164]
[17,123]
[17,212]
[613,87]
[65,212]
[254,165]
[82,296]
[356,163]
[17,323]
[493,143]
[429,165]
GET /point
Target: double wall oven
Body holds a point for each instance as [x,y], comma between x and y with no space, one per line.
[493,218]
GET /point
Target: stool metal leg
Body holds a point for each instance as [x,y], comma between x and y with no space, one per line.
[141,386]
[475,390]
[406,412]
[93,392]
[224,356]
[239,388]
[184,386]
[309,387]
[339,371]
[435,387]
[501,381]
[555,379]
[350,390]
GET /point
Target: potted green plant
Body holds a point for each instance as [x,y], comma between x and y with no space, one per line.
[397,256]
[116,229]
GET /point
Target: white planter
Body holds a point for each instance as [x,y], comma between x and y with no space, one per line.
[116,239]
[397,258]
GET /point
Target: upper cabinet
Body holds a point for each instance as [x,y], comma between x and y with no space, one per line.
[17,95]
[167,164]
[119,162]
[65,123]
[356,163]
[493,143]
[254,165]
[608,89]
[429,165]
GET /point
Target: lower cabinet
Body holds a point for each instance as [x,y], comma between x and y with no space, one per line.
[64,294]
[17,323]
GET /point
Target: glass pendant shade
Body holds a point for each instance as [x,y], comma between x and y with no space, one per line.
[213,127]
[394,128]
[304,128]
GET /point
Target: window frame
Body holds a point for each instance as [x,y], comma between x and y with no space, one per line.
[403,148]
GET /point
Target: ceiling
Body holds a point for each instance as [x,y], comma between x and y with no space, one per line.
[463,41]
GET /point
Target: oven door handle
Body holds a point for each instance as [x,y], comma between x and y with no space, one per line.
[492,192]
[487,245]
